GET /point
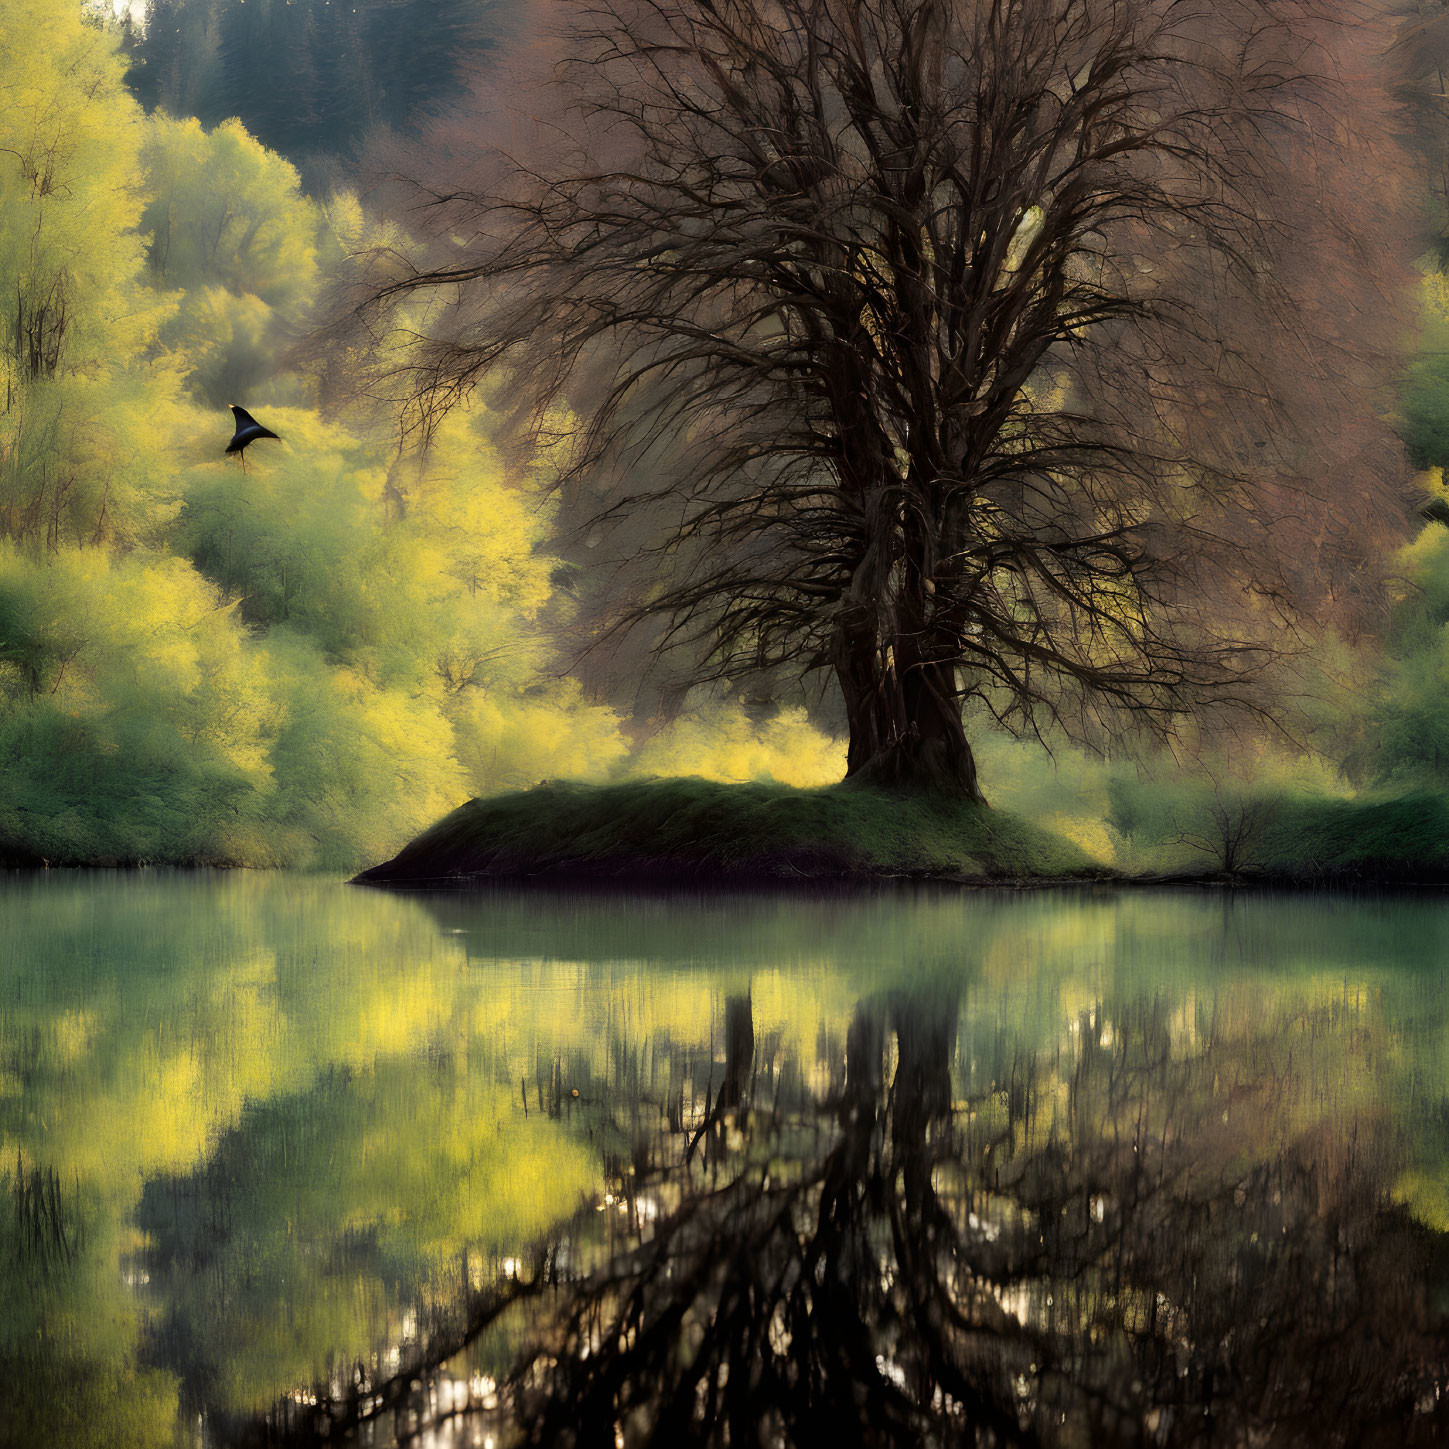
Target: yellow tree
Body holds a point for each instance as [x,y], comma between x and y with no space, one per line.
[78,319]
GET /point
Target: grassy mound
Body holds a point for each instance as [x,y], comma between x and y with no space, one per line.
[1402,839]
[677,829]
[1187,830]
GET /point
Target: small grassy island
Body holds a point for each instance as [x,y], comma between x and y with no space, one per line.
[681,829]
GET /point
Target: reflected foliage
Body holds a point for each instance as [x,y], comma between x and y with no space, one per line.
[920,1167]
[1179,1222]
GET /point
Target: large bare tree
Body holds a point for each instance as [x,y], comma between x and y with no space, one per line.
[1010,349]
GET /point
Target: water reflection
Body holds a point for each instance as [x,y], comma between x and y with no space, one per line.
[291,1163]
[1151,1233]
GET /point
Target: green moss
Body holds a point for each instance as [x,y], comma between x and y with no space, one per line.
[649,829]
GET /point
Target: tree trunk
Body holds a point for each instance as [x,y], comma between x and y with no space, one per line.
[905,722]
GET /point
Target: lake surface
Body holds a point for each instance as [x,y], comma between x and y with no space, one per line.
[285,1161]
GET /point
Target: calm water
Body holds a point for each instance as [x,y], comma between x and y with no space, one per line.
[285,1161]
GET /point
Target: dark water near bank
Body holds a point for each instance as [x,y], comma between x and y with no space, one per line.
[284,1162]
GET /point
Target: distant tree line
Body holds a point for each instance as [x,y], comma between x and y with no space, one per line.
[309,78]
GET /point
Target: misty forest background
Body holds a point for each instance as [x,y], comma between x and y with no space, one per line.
[306,662]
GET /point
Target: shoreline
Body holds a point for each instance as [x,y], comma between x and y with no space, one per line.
[700,836]
[680,883]
[700,882]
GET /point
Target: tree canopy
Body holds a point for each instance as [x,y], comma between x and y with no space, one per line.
[952,350]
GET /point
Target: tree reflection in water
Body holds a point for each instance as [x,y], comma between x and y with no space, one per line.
[1129,1239]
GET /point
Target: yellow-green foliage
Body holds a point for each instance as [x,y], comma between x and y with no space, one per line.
[134,714]
[1423,417]
[224,211]
[76,370]
[227,225]
[1066,793]
[69,188]
[723,743]
[302,662]
[1409,722]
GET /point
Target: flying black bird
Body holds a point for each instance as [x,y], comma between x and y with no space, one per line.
[248,430]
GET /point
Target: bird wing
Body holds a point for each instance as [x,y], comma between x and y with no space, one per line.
[249,434]
[243,418]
